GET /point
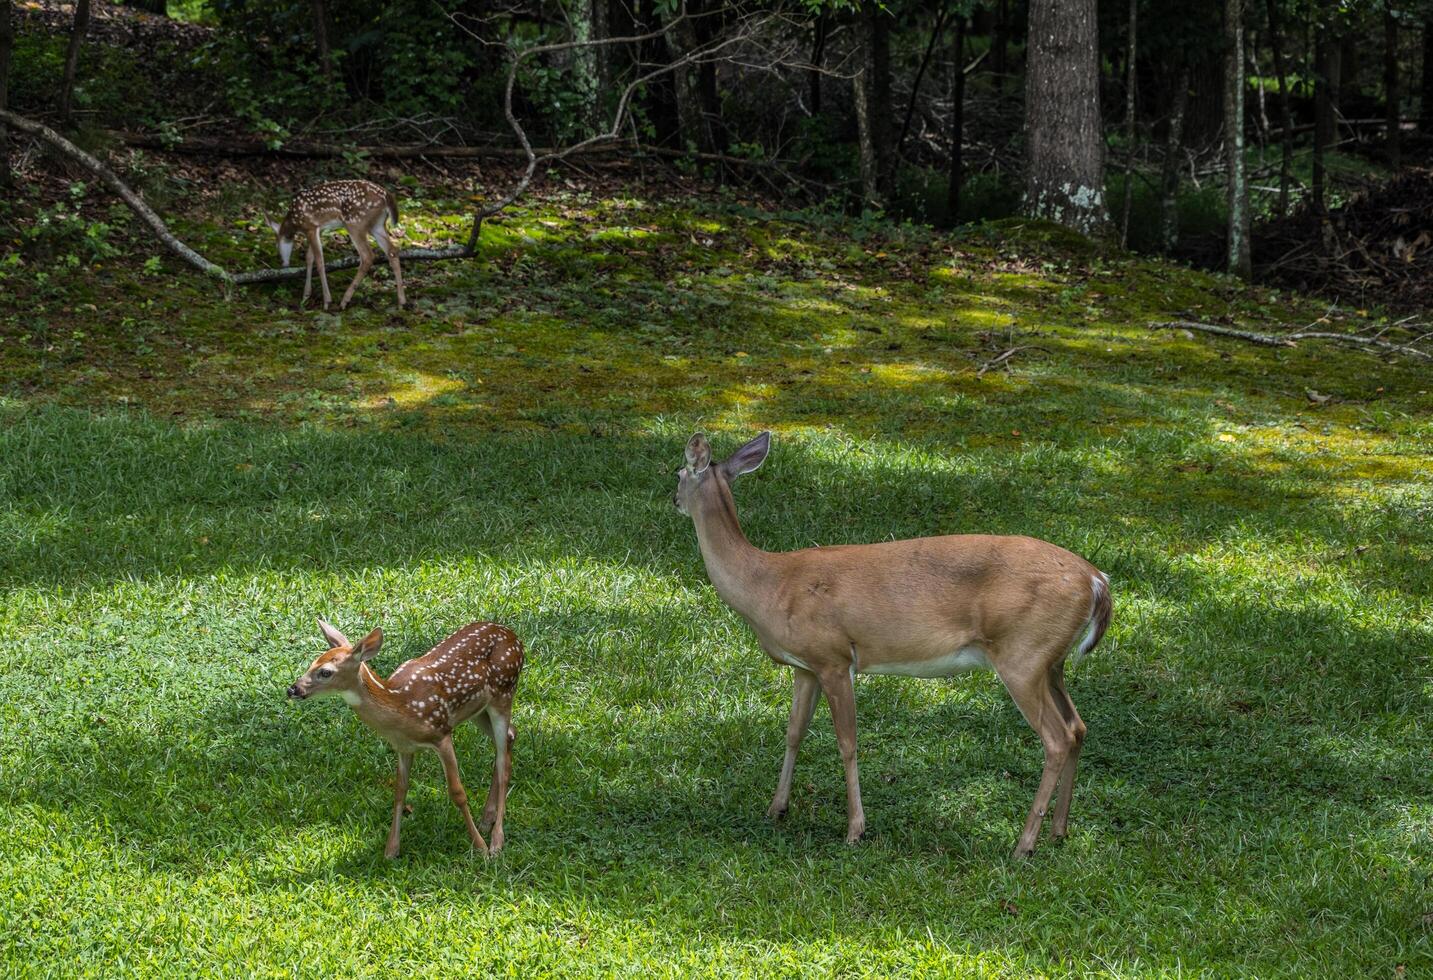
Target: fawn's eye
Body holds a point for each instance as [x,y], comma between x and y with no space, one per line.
[326,672]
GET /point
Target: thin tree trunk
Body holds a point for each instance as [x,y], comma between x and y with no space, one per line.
[1390,87]
[1240,260]
[818,55]
[1425,101]
[1133,57]
[871,91]
[1173,146]
[1286,119]
[999,43]
[1065,166]
[7,42]
[935,34]
[320,36]
[586,60]
[681,40]
[957,122]
[1325,125]
[72,57]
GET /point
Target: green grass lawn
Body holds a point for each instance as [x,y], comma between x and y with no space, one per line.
[186,483]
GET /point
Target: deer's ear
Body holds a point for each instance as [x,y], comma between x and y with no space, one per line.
[331,634]
[748,457]
[369,645]
[699,453]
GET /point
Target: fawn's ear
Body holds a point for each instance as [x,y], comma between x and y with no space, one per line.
[367,647]
[699,453]
[331,634]
[748,457]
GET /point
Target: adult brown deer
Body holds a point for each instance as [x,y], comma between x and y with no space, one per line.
[362,207]
[472,673]
[927,607]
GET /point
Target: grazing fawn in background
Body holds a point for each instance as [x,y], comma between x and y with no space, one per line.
[472,673]
[928,607]
[362,207]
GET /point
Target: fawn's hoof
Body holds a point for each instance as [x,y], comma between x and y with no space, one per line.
[855,832]
[776,811]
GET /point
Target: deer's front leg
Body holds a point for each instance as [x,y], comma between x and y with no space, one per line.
[456,793]
[308,276]
[400,793]
[806,690]
[315,244]
[840,691]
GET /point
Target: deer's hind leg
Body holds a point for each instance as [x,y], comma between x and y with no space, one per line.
[315,245]
[380,233]
[1034,695]
[365,262]
[496,720]
[1059,824]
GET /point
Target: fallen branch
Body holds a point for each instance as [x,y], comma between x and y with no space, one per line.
[1290,339]
[997,361]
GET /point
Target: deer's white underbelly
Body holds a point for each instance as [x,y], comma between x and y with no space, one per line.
[955,662]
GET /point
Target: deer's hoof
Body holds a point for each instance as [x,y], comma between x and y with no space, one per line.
[776,811]
[390,852]
[1023,853]
[855,833]
[495,845]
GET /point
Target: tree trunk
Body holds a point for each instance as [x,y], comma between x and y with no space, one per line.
[320,37]
[1064,179]
[1132,57]
[1286,117]
[935,34]
[1425,101]
[1240,262]
[871,88]
[1173,145]
[957,122]
[1390,88]
[999,43]
[1326,65]
[818,55]
[7,42]
[72,57]
[586,60]
[681,40]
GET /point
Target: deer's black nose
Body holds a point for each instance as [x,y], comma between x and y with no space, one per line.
[294,691]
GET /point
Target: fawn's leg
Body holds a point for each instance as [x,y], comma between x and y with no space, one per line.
[365,262]
[400,793]
[315,244]
[806,691]
[308,276]
[499,718]
[381,233]
[456,793]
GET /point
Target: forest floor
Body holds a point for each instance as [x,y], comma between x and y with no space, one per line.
[186,483]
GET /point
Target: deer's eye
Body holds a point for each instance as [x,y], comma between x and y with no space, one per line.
[326,672]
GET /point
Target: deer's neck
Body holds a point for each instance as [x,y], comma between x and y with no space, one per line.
[739,572]
[370,697]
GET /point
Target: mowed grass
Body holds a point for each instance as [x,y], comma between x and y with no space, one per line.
[185,484]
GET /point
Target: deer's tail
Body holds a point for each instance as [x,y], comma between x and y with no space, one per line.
[1100,609]
[392,207]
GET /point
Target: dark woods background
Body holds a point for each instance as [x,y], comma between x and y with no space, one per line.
[1182,127]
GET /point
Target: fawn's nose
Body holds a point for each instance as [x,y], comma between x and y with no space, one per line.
[294,691]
